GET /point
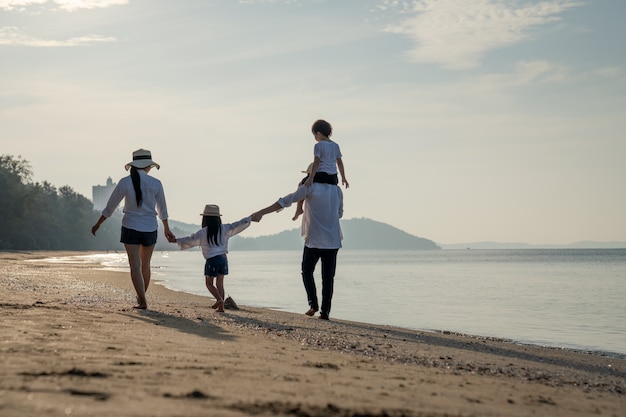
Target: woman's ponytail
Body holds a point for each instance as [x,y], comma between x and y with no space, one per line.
[134,175]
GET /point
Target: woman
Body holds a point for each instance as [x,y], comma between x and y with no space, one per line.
[144,199]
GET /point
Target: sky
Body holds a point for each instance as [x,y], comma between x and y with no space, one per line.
[458,120]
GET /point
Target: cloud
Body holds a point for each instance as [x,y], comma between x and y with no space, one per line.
[526,73]
[269,1]
[456,34]
[72,5]
[610,71]
[67,5]
[11,36]
[19,5]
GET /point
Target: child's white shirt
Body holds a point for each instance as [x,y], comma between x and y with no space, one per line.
[327,152]
[199,238]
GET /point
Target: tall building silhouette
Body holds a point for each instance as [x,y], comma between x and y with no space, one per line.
[101,194]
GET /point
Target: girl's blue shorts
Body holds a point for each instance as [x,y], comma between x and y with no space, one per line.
[217,265]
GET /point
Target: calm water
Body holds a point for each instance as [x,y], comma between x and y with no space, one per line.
[560,298]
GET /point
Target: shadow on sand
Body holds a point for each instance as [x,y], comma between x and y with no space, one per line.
[199,328]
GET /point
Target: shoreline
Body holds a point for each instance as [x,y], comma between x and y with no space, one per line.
[72,342]
[548,345]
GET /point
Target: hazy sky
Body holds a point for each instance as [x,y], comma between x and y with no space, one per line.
[459,120]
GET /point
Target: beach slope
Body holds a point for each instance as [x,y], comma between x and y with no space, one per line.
[71,344]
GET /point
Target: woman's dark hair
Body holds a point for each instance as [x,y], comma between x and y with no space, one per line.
[213,226]
[323,127]
[134,175]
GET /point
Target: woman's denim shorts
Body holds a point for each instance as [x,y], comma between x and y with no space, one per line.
[133,237]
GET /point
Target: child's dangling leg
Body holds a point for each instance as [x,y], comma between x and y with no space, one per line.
[299,210]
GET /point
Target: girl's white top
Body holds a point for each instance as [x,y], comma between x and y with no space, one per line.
[208,251]
[141,218]
[327,152]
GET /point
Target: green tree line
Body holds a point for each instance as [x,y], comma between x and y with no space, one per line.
[38,216]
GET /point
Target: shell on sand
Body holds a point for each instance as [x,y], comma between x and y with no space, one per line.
[230,304]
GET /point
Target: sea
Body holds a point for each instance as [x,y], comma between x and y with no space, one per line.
[559,298]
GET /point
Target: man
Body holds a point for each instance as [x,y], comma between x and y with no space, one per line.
[322,237]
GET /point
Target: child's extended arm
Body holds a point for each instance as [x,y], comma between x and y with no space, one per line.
[344,181]
[191,240]
[232,229]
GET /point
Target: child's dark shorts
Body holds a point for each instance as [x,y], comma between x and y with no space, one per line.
[326,178]
[217,265]
[134,237]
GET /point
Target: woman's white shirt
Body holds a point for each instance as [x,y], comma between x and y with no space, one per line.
[141,218]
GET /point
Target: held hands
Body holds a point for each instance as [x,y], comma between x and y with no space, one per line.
[256,217]
[170,236]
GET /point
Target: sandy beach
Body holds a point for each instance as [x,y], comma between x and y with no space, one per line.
[73,345]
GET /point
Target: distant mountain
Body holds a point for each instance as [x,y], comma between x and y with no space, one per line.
[184,229]
[587,244]
[367,234]
[361,234]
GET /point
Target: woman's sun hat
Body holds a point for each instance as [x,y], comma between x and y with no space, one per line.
[142,158]
[211,210]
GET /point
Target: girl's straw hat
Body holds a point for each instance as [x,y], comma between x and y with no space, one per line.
[211,210]
[142,158]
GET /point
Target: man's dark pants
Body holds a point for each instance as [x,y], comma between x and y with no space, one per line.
[310,257]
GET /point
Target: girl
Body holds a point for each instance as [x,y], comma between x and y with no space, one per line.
[213,239]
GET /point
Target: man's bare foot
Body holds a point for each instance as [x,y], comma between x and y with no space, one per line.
[215,305]
[220,307]
[311,312]
[141,305]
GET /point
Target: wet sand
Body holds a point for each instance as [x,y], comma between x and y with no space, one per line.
[71,344]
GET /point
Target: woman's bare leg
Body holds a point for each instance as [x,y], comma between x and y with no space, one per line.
[145,253]
[134,261]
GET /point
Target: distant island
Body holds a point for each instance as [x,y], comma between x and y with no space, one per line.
[359,234]
[368,234]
